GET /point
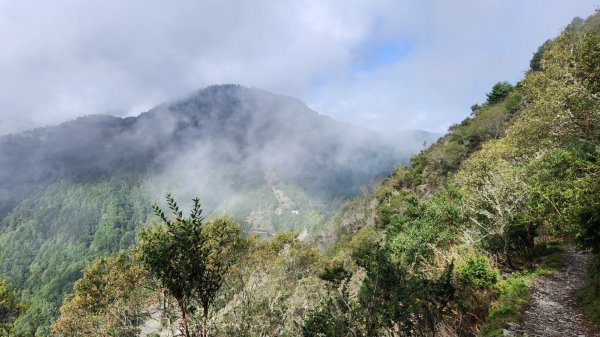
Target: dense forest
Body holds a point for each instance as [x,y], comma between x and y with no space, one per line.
[446,245]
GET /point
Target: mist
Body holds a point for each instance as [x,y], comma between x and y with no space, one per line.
[369,63]
[257,156]
[242,151]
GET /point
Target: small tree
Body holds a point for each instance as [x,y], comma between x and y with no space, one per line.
[189,258]
[10,308]
[499,92]
[108,300]
[496,197]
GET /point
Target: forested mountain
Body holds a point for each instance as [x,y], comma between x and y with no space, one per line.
[78,191]
[447,245]
[248,131]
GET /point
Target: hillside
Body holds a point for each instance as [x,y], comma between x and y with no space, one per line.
[78,191]
[488,203]
[449,245]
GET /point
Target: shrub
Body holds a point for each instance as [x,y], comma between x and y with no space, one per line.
[477,270]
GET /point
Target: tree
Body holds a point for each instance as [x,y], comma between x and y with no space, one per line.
[10,308]
[271,289]
[109,300]
[336,316]
[536,61]
[397,301]
[190,259]
[587,66]
[496,196]
[566,193]
[499,91]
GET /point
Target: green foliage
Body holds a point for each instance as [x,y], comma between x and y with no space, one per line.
[477,270]
[339,312]
[563,184]
[392,298]
[109,300]
[399,292]
[513,296]
[50,237]
[422,226]
[588,62]
[499,92]
[589,295]
[276,281]
[513,102]
[190,259]
[536,61]
[10,308]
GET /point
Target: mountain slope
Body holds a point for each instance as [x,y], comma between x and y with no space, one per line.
[448,245]
[490,198]
[251,129]
[78,191]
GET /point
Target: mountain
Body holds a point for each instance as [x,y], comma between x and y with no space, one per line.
[221,136]
[77,191]
[452,244]
[248,131]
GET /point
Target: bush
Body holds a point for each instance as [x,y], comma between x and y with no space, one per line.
[589,295]
[477,270]
[513,103]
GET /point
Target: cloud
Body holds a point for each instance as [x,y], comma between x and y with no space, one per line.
[382,64]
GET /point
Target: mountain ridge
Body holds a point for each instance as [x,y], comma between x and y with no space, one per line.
[88,142]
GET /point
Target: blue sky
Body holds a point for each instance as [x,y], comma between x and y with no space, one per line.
[378,55]
[382,64]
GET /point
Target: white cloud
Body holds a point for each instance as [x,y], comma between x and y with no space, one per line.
[66,58]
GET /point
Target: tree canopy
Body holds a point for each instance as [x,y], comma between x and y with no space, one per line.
[190,258]
[10,308]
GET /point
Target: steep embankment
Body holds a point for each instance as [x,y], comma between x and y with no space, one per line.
[475,204]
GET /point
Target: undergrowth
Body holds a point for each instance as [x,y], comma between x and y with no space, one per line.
[513,292]
[589,295]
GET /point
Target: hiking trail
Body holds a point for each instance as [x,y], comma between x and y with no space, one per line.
[554,310]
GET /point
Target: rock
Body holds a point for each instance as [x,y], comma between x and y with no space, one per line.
[508,333]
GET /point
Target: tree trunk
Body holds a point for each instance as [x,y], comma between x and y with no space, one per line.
[508,260]
[204,321]
[531,233]
[186,331]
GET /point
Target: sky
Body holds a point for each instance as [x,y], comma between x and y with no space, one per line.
[384,65]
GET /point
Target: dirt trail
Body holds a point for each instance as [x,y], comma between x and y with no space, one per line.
[554,310]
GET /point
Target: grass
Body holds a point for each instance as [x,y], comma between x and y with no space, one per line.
[514,291]
[589,295]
